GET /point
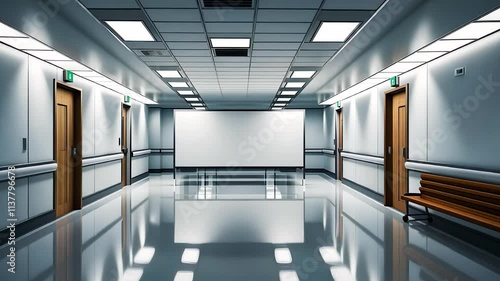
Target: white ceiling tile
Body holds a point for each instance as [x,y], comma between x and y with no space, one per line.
[110,4]
[180,27]
[292,4]
[174,14]
[192,37]
[193,53]
[316,53]
[276,46]
[312,59]
[275,15]
[188,45]
[279,37]
[194,59]
[258,53]
[289,27]
[217,27]
[352,4]
[271,59]
[170,3]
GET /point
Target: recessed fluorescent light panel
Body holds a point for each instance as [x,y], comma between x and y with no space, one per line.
[282,256]
[294,85]
[335,31]
[131,30]
[474,30]
[445,45]
[279,104]
[303,74]
[423,56]
[190,256]
[192,99]
[169,73]
[197,104]
[493,16]
[230,42]
[277,108]
[288,93]
[402,67]
[186,93]
[200,108]
[178,84]
[284,99]
[329,255]
[7,31]
[25,44]
[49,55]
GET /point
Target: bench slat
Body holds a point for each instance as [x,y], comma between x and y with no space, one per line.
[480,186]
[461,200]
[461,191]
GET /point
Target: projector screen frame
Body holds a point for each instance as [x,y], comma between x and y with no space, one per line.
[242,167]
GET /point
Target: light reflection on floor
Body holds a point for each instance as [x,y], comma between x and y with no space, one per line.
[130,236]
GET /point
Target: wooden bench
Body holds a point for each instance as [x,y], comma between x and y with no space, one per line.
[472,201]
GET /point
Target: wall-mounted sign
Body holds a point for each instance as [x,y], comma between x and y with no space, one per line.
[68,76]
[127,99]
[339,104]
[395,81]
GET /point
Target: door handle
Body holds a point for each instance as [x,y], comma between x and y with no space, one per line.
[389,150]
[73,151]
[403,152]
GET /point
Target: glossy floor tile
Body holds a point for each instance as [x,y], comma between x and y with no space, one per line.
[344,236]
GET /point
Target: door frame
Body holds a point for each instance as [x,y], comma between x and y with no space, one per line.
[338,160]
[78,138]
[388,96]
[128,108]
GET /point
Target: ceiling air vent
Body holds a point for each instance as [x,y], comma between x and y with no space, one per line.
[227,3]
[225,52]
[155,53]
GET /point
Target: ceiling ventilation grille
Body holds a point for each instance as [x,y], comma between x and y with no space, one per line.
[228,3]
[225,52]
[154,53]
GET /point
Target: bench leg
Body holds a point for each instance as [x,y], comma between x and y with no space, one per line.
[406,217]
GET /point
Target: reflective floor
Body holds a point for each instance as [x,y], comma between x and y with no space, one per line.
[346,236]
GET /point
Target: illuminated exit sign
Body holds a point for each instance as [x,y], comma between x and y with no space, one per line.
[68,76]
[395,81]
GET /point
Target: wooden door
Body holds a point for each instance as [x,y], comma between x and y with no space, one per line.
[65,150]
[396,148]
[124,144]
[340,145]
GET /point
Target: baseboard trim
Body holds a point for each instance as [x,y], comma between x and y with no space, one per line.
[28,226]
[365,190]
[466,234]
[140,177]
[324,171]
[100,194]
[159,171]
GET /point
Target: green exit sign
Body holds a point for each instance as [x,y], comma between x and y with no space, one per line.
[127,99]
[395,81]
[339,104]
[68,76]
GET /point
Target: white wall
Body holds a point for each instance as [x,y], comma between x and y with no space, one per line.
[26,111]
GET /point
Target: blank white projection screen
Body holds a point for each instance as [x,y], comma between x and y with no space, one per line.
[239,138]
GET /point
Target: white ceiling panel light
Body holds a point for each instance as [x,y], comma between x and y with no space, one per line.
[200,108]
[295,85]
[145,255]
[493,16]
[131,30]
[288,93]
[402,67]
[186,93]
[25,44]
[196,104]
[474,31]
[49,55]
[279,104]
[284,99]
[303,74]
[169,73]
[7,31]
[335,31]
[190,256]
[178,84]
[192,99]
[230,42]
[277,108]
[423,56]
[283,256]
[446,45]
